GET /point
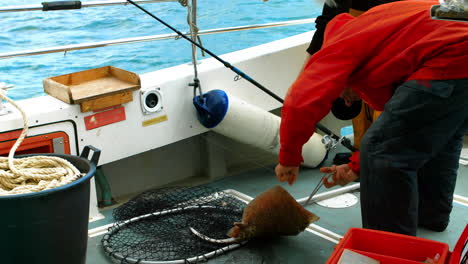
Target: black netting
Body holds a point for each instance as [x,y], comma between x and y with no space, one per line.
[154,226]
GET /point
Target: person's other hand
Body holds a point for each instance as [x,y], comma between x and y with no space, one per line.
[341,175]
[287,173]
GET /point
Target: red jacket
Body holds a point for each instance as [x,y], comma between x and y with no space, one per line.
[372,54]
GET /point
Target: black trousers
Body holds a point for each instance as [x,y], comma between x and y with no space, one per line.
[409,157]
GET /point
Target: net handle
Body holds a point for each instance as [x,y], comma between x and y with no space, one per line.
[179,261]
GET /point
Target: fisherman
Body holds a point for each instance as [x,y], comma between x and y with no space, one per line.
[414,69]
[361,114]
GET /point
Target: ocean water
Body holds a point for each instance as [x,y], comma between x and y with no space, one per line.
[36,29]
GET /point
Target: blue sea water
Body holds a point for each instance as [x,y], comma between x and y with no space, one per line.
[36,29]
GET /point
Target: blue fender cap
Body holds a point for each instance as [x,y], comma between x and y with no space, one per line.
[211,107]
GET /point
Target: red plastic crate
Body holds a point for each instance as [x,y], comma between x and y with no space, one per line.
[460,248]
[392,248]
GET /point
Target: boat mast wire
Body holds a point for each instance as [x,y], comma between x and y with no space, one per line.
[344,141]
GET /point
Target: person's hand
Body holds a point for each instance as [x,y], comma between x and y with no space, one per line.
[287,173]
[341,175]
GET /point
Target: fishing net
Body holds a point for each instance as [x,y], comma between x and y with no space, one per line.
[154,227]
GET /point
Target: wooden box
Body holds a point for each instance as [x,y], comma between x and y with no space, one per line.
[94,89]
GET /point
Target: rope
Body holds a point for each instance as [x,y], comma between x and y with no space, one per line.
[192,22]
[35,173]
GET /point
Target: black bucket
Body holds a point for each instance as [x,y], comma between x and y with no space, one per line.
[51,226]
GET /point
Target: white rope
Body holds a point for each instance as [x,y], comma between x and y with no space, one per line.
[35,173]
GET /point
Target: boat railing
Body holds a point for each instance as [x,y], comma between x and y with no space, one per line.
[98,44]
[22,8]
[90,45]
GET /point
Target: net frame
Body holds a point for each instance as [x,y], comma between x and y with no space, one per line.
[182,207]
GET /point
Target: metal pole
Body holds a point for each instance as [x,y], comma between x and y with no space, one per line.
[91,45]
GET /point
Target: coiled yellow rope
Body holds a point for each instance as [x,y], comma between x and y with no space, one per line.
[35,173]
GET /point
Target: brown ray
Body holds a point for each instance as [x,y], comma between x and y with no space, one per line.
[272,213]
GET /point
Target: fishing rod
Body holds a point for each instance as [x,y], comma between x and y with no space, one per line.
[343,140]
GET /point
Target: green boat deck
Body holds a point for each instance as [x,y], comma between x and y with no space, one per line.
[305,247]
